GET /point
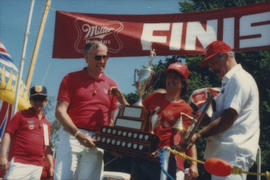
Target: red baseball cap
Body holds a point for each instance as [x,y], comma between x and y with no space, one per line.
[182,69]
[214,48]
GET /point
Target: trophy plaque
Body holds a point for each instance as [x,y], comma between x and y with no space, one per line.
[132,117]
[129,135]
[127,141]
[135,116]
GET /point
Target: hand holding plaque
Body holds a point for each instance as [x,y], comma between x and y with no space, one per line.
[129,135]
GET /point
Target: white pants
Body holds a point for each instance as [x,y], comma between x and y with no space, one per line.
[20,171]
[166,155]
[180,175]
[74,161]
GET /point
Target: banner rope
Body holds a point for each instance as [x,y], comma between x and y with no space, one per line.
[234,170]
[183,155]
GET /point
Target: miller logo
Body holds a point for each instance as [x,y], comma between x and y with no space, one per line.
[107,32]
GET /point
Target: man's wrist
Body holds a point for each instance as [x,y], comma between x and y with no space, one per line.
[76,134]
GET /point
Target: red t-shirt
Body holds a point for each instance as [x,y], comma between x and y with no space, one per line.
[89,102]
[169,113]
[27,132]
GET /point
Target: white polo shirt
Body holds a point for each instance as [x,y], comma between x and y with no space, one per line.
[239,91]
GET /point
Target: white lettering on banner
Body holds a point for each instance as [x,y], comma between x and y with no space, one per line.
[195,31]
[254,32]
[228,31]
[248,29]
[107,42]
[176,37]
[95,31]
[147,35]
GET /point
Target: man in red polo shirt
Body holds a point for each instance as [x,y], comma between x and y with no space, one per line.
[26,140]
[84,106]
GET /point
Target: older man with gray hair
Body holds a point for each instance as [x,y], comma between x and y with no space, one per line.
[84,106]
[234,129]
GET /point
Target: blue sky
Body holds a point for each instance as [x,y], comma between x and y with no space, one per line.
[49,71]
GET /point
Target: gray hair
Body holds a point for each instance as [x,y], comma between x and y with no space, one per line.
[92,45]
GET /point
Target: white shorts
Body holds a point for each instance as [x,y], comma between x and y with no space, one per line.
[19,171]
[74,161]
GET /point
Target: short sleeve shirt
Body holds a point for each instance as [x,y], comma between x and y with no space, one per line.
[239,91]
[90,106]
[169,113]
[28,137]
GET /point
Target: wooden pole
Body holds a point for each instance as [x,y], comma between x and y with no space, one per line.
[37,45]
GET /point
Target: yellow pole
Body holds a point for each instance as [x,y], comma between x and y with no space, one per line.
[37,45]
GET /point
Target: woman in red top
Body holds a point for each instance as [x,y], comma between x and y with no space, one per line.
[168,105]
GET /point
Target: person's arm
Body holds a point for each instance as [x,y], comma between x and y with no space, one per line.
[114,91]
[5,145]
[118,95]
[221,124]
[217,126]
[49,159]
[63,117]
[193,168]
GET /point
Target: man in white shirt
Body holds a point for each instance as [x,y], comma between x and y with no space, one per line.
[234,129]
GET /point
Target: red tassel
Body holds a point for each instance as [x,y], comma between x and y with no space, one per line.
[217,167]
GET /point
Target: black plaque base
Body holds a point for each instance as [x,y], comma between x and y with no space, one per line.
[127,141]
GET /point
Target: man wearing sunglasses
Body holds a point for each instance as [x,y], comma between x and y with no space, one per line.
[26,140]
[84,105]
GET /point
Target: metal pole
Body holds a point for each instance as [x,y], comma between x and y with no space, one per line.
[37,45]
[15,107]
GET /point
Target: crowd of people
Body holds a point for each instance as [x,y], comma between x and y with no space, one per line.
[88,99]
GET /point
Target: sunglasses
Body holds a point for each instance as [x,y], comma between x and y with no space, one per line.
[98,58]
[39,98]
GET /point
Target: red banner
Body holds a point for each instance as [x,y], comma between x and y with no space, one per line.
[243,28]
